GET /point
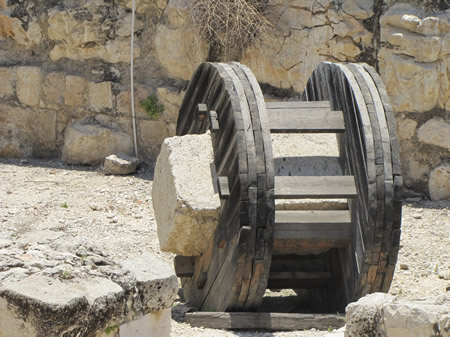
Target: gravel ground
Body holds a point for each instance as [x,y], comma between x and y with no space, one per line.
[116,213]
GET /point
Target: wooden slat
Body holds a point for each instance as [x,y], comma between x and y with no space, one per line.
[304,275]
[312,217]
[328,226]
[297,187]
[305,121]
[297,104]
[261,320]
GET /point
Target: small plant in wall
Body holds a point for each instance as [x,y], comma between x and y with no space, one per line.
[152,106]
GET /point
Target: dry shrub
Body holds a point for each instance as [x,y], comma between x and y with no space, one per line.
[230,25]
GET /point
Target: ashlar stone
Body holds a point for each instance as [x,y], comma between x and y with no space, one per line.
[185,203]
[435,132]
[29,82]
[53,90]
[100,96]
[89,142]
[74,91]
[6,85]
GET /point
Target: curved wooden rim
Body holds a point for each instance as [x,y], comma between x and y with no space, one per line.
[369,151]
[233,273]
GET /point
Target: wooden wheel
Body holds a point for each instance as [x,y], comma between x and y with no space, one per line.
[338,255]
[369,151]
[232,274]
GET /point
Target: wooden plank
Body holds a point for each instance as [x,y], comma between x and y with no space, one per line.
[296,187]
[312,217]
[297,104]
[305,121]
[304,275]
[334,232]
[263,321]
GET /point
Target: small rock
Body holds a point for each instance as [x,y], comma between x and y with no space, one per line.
[120,164]
[94,207]
[417,216]
[404,266]
[445,275]
[24,161]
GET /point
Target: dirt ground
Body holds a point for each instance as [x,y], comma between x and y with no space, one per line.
[116,213]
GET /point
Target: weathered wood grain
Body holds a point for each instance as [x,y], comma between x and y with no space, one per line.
[266,321]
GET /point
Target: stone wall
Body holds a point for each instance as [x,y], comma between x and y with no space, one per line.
[68,62]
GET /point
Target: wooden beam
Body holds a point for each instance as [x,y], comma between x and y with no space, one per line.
[262,320]
[298,104]
[305,121]
[322,187]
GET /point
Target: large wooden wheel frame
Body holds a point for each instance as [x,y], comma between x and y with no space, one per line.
[245,255]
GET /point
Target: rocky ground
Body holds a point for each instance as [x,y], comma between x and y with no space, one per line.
[115,213]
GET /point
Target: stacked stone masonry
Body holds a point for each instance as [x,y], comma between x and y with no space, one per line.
[69,63]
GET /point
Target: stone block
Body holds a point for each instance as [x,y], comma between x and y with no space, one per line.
[151,135]
[120,164]
[406,128]
[363,318]
[53,90]
[100,96]
[135,301]
[184,201]
[435,132]
[6,82]
[29,83]
[74,91]
[416,318]
[178,40]
[171,99]
[412,86]
[89,142]
[439,183]
[382,315]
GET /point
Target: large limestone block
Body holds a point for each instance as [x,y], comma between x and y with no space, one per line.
[435,132]
[417,318]
[100,96]
[74,91]
[412,86]
[413,59]
[129,298]
[185,203]
[26,132]
[439,183]
[29,82]
[178,45]
[151,135]
[6,84]
[382,315]
[53,90]
[89,142]
[90,32]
